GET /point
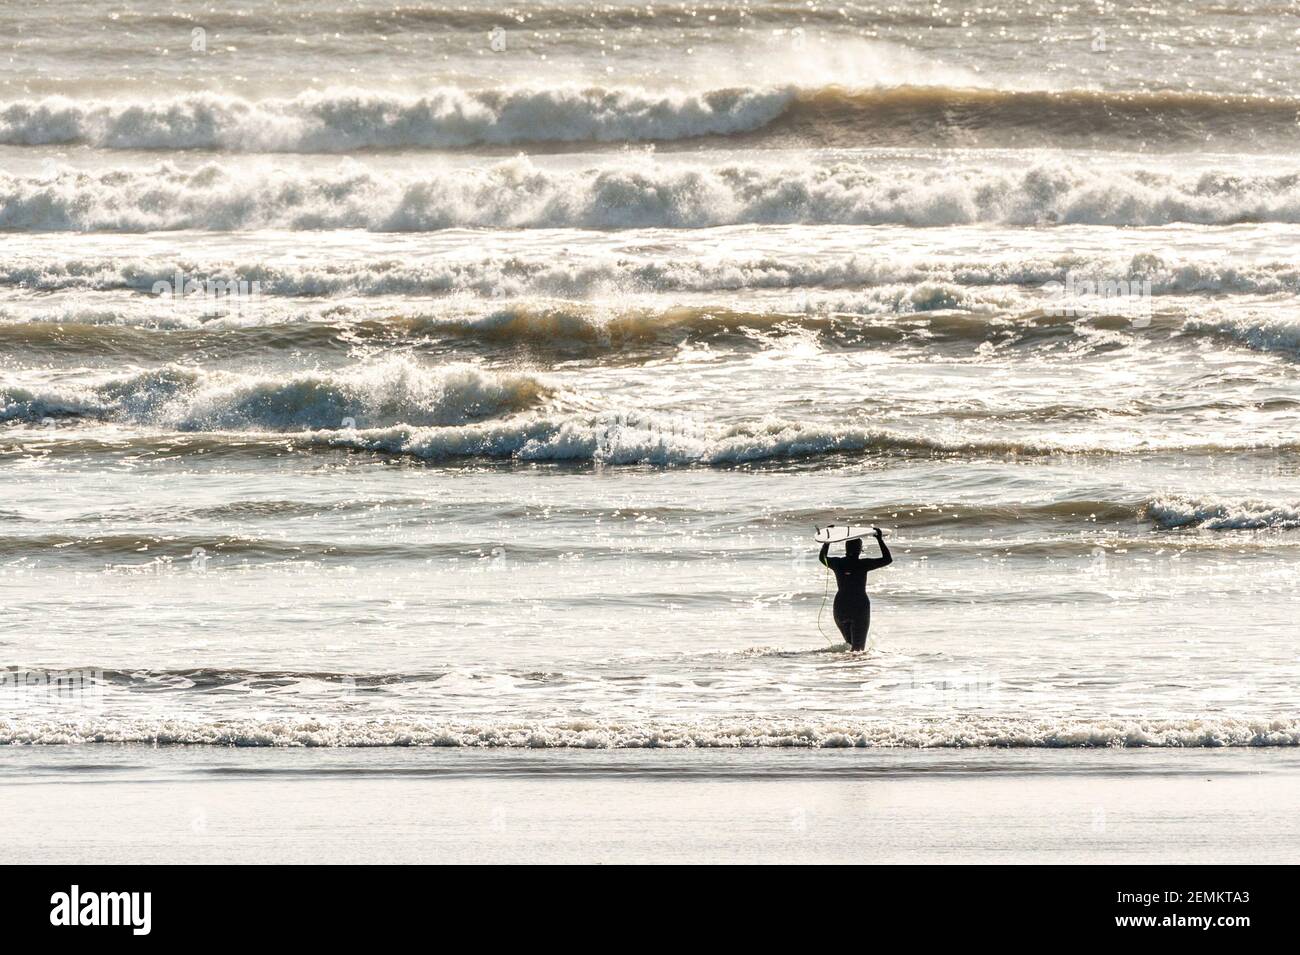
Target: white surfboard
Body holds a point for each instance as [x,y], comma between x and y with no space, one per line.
[836,533]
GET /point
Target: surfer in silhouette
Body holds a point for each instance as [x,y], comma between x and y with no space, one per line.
[852,607]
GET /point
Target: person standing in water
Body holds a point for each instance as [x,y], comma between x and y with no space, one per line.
[852,607]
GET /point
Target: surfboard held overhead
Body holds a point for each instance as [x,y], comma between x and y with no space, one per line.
[836,533]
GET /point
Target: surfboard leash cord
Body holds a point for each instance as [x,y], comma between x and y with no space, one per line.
[825,593]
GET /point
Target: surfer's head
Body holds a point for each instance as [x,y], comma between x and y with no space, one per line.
[853,548]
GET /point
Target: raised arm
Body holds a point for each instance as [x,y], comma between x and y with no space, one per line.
[885,558]
[826,549]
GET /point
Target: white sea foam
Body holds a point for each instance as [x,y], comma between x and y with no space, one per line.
[636,192]
[1009,732]
[343,121]
[1222,515]
[871,106]
[591,276]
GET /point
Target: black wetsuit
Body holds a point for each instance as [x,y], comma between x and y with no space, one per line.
[852,606]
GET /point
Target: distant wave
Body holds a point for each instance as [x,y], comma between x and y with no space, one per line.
[450,118]
[956,733]
[518,276]
[637,192]
[190,399]
[441,18]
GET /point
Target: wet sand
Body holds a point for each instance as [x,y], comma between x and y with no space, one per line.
[138,804]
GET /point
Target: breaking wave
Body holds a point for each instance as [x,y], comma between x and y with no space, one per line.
[340,121]
[636,192]
[633,437]
[1220,515]
[1260,332]
[658,439]
[519,276]
[189,399]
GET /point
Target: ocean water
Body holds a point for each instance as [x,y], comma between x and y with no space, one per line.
[553,330]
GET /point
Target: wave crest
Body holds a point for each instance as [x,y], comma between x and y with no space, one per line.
[189,399]
[615,438]
[1266,333]
[1220,515]
[340,121]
